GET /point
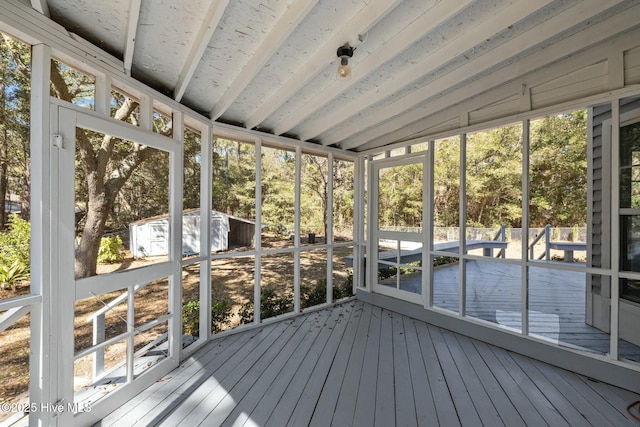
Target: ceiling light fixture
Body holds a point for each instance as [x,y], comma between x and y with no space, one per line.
[344,53]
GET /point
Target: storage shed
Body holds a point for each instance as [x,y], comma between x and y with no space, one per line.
[150,237]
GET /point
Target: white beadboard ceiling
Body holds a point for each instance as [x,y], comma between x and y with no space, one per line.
[271,64]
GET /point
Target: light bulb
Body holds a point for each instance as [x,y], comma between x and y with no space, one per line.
[344,70]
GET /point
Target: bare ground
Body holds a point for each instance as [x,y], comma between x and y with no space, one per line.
[232,281]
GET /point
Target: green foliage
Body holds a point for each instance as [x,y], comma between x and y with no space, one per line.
[271,305]
[111,250]
[14,245]
[220,314]
[10,275]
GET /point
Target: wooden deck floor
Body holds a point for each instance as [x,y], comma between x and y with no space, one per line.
[357,364]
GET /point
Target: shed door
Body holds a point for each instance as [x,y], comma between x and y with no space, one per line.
[120,331]
[399,234]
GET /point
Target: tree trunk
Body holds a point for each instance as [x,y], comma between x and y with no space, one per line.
[86,260]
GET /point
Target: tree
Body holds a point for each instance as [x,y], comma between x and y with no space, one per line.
[105,163]
[14,124]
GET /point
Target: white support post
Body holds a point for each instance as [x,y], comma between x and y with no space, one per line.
[206,178]
[329,231]
[42,373]
[547,242]
[258,235]
[371,222]
[524,308]
[427,245]
[615,229]
[296,216]
[463,224]
[358,222]
[175,239]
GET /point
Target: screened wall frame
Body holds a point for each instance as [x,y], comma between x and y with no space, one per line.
[613,273]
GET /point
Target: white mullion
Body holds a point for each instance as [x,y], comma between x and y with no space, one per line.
[358,223]
[206,178]
[41,371]
[329,232]
[103,95]
[131,318]
[146,112]
[258,234]
[427,263]
[175,238]
[525,227]
[462,225]
[296,216]
[615,229]
[372,223]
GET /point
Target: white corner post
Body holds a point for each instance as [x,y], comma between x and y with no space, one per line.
[175,241]
[258,234]
[41,373]
[296,216]
[206,178]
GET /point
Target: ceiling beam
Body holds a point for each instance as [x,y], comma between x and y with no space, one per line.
[413,32]
[529,39]
[132,29]
[361,23]
[495,88]
[211,19]
[295,13]
[448,52]
[41,6]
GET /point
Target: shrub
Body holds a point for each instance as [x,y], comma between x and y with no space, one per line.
[9,275]
[271,305]
[111,250]
[220,314]
[15,242]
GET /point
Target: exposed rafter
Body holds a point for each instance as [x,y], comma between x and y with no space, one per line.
[530,38]
[41,6]
[433,17]
[132,28]
[360,23]
[415,123]
[468,40]
[289,21]
[211,20]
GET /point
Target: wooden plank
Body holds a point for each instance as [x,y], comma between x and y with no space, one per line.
[235,409]
[385,398]
[188,402]
[481,400]
[459,392]
[366,395]
[445,407]
[328,397]
[345,407]
[308,399]
[404,398]
[603,406]
[525,408]
[211,398]
[508,413]
[539,400]
[288,385]
[424,403]
[562,404]
[289,397]
[143,403]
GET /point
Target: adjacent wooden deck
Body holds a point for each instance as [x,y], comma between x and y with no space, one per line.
[357,364]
